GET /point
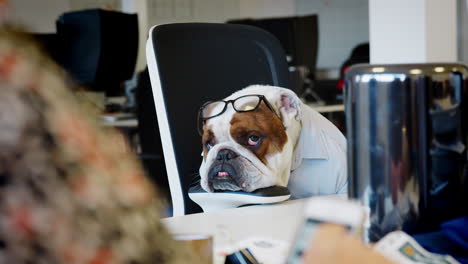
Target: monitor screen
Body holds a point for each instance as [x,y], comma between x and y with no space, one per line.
[99,47]
[298,36]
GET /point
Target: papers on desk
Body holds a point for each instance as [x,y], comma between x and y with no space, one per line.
[265,250]
[397,246]
[401,248]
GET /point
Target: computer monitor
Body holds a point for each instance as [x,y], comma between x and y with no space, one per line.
[298,36]
[306,41]
[99,48]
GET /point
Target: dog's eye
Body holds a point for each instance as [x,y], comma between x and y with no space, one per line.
[253,140]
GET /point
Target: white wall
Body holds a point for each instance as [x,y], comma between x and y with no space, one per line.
[85,4]
[266,8]
[38,16]
[416,31]
[393,31]
[441,30]
[171,11]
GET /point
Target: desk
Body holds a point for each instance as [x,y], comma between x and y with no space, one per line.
[277,221]
[123,124]
[120,120]
[327,108]
[334,113]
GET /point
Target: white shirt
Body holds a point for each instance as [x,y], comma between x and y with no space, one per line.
[319,160]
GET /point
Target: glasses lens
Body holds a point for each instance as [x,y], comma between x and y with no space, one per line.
[212,109]
[246,103]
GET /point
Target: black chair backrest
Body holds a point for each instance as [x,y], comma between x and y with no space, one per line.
[198,62]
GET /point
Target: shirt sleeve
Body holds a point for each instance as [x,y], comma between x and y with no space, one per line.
[339,163]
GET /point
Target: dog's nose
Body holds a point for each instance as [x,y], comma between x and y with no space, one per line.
[226,154]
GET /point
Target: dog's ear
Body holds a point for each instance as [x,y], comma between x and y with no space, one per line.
[289,106]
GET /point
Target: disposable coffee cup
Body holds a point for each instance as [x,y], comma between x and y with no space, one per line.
[200,244]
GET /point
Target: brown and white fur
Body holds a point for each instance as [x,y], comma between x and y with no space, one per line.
[231,162]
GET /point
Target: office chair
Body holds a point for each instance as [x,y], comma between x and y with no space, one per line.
[189,64]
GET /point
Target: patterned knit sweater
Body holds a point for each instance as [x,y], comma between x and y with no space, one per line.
[70,190]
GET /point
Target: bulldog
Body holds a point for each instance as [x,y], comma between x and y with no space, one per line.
[262,136]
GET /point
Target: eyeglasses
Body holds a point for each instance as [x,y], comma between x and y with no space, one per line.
[245,103]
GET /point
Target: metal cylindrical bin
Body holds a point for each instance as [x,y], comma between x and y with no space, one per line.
[407,137]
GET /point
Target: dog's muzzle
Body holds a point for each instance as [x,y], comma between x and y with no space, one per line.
[223,174]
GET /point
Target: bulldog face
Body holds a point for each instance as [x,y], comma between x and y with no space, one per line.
[250,150]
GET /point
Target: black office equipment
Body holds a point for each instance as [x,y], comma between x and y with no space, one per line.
[242,256]
[99,48]
[407,144]
[191,63]
[299,38]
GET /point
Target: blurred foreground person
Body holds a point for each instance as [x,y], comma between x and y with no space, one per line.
[70,191]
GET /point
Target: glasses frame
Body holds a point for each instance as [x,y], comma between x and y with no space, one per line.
[201,119]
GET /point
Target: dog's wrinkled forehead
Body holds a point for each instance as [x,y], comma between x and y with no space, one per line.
[219,126]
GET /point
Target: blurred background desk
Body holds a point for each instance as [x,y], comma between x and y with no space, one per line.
[325,109]
[333,112]
[127,123]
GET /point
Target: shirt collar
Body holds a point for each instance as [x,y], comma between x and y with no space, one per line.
[311,143]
